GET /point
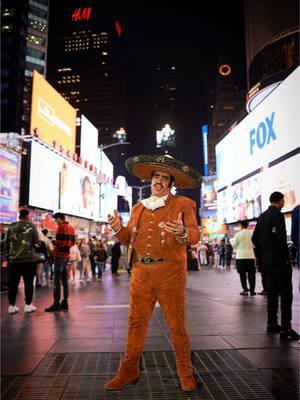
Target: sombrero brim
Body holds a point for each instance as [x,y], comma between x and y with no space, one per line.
[143,166]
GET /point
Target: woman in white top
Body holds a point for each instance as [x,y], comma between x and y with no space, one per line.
[245,259]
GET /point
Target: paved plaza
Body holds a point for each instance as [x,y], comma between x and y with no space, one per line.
[69,355]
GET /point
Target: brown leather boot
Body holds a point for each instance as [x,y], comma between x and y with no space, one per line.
[127,374]
[188,383]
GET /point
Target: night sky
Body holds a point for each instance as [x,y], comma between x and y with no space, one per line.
[194,38]
[192,35]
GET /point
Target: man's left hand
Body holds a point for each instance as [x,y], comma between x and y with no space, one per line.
[176,226]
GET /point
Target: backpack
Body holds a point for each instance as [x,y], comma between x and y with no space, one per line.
[21,237]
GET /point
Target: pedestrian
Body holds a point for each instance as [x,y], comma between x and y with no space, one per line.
[64,240]
[245,259]
[84,249]
[270,241]
[48,262]
[157,234]
[74,259]
[115,257]
[228,253]
[295,231]
[100,257]
[20,242]
[202,251]
[221,253]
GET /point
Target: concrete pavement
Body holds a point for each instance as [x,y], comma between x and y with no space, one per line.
[69,355]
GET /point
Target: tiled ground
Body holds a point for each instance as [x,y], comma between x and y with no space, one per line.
[71,355]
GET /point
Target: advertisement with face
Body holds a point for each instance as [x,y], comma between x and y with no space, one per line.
[52,116]
[260,156]
[9,185]
[57,183]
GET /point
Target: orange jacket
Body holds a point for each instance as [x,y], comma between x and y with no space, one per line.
[144,233]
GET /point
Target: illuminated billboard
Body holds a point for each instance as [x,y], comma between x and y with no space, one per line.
[89,143]
[260,156]
[51,115]
[9,185]
[165,137]
[59,184]
[209,196]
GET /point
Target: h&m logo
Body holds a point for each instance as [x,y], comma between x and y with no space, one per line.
[263,134]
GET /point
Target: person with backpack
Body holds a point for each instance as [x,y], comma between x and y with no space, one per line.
[21,240]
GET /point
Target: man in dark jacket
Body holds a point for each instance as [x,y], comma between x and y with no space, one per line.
[115,257]
[270,243]
[65,238]
[21,239]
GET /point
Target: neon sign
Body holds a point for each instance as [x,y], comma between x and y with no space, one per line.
[81,14]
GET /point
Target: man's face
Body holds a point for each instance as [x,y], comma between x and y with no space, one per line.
[160,184]
[281,204]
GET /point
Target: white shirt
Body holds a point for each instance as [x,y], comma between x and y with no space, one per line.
[243,243]
[154,202]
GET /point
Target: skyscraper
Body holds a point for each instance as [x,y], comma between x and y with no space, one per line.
[24,42]
[272,45]
[227,102]
[81,60]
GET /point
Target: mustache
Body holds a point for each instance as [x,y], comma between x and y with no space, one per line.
[158,184]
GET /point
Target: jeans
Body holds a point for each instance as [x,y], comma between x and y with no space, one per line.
[60,277]
[15,271]
[101,267]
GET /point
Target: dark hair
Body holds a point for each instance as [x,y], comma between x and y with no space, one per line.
[172,179]
[275,197]
[59,215]
[23,213]
[45,231]
[244,224]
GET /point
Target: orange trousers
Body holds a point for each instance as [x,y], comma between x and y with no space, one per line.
[164,283]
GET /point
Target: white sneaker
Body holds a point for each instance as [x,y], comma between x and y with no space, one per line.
[13,309]
[29,308]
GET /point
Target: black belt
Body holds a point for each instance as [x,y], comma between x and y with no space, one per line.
[149,260]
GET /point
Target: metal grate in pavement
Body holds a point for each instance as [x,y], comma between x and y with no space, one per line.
[162,362]
[225,374]
[217,385]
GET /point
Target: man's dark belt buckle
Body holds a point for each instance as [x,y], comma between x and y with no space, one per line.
[147,260]
[150,260]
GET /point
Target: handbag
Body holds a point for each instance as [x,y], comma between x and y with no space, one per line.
[38,257]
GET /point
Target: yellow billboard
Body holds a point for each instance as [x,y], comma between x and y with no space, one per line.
[52,117]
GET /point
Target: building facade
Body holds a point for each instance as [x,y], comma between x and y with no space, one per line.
[24,42]
[82,61]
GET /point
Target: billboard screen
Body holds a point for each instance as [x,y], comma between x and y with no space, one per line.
[209,196]
[89,142]
[261,155]
[52,115]
[57,183]
[9,185]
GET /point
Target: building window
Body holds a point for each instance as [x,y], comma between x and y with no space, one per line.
[6,28]
[7,12]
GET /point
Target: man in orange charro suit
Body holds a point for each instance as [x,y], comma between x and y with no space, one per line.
[157,234]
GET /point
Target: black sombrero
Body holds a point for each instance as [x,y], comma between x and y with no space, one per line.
[144,165]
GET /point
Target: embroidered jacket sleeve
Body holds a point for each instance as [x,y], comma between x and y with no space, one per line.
[124,234]
[190,221]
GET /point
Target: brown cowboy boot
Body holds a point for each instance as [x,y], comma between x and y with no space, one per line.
[129,372]
[188,383]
